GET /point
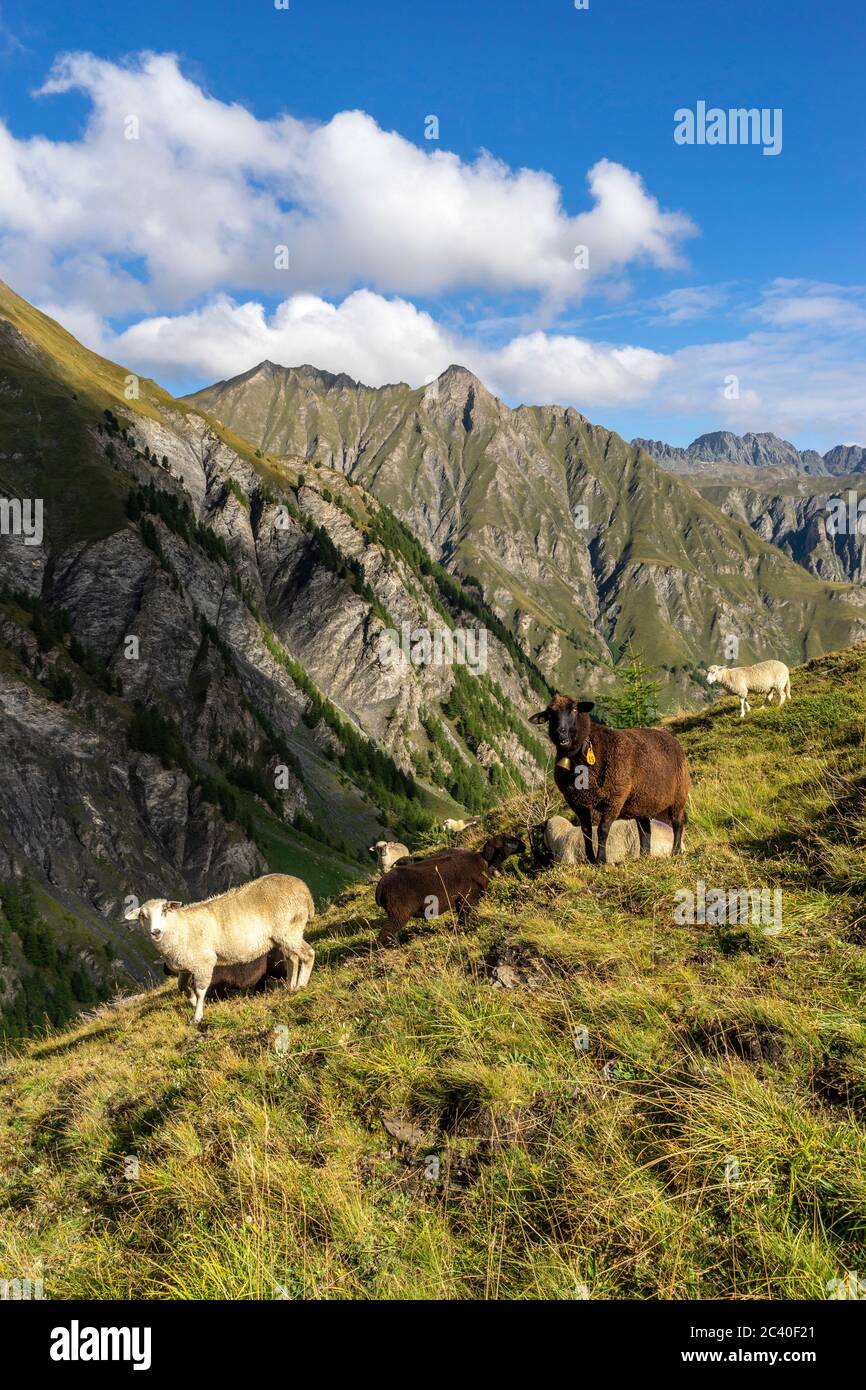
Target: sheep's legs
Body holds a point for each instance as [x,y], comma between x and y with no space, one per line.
[584,820]
[679,824]
[465,902]
[201,980]
[308,956]
[603,831]
[644,830]
[291,969]
[607,820]
[389,934]
[744,705]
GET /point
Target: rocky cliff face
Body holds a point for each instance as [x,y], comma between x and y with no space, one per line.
[580,543]
[192,673]
[817,523]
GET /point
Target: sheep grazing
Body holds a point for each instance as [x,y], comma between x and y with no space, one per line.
[386,853]
[566,844]
[444,881]
[454,827]
[620,774]
[764,678]
[235,928]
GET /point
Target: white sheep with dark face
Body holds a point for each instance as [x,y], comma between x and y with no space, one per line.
[233,928]
[764,678]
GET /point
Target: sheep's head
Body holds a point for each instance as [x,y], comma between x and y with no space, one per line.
[713,675]
[568,722]
[386,853]
[501,847]
[150,917]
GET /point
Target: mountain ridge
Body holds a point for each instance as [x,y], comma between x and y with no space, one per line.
[762,450]
[490,490]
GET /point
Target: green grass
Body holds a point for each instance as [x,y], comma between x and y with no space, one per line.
[291,851]
[263,1167]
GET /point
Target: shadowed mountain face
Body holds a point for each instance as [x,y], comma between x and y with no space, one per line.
[578,540]
[819,522]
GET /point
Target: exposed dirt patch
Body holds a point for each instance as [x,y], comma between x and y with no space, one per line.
[727,1037]
[835,1080]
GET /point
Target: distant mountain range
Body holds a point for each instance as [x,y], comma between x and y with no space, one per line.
[578,540]
[749,451]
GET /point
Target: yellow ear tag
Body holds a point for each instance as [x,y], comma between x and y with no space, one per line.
[590,756]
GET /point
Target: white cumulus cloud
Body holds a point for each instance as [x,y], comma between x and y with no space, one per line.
[195,194]
[379,340]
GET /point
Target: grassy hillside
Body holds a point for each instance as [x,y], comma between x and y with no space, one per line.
[708,1142]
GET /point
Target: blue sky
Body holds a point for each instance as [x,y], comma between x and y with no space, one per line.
[724,286]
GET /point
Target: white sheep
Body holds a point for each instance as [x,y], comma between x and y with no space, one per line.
[387,852]
[765,678]
[565,841]
[231,929]
[454,827]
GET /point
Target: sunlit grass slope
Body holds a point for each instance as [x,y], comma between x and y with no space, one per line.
[407,1129]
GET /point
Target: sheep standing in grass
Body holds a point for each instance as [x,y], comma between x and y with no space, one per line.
[234,928]
[448,880]
[386,854]
[566,844]
[456,827]
[615,774]
[764,678]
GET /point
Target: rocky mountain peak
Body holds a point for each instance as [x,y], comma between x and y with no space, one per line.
[761,449]
[459,380]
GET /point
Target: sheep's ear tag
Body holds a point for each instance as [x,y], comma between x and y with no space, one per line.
[590,756]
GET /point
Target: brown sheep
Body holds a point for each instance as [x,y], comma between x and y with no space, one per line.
[428,858]
[618,774]
[227,978]
[448,879]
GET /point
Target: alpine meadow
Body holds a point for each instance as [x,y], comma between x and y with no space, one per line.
[432,672]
